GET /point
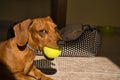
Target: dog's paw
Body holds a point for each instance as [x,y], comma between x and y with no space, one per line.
[48,78]
[44,78]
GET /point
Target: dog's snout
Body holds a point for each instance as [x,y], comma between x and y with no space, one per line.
[60,43]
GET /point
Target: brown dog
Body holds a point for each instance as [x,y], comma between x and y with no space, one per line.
[18,57]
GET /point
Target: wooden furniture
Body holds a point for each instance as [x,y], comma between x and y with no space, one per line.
[59,12]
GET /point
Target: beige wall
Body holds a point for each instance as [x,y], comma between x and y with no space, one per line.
[98,12]
[21,9]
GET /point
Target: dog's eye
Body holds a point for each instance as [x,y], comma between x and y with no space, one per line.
[43,31]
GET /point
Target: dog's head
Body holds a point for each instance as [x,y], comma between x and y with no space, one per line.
[37,33]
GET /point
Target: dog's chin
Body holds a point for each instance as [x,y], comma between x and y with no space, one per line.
[48,58]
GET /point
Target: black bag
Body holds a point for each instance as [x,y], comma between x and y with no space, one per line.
[87,44]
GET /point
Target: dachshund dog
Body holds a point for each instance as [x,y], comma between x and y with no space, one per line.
[18,57]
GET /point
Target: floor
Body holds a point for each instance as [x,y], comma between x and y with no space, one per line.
[83,68]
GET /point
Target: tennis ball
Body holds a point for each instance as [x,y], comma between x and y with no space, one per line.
[51,52]
[107,30]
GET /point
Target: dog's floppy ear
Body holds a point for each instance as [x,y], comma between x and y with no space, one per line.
[21,32]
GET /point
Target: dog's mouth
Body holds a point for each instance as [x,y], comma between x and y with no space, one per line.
[49,53]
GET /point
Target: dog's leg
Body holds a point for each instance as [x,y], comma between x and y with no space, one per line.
[22,76]
[38,74]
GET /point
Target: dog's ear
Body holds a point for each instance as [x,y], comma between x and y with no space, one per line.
[21,32]
[49,18]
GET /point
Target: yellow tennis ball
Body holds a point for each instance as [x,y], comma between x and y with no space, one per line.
[51,52]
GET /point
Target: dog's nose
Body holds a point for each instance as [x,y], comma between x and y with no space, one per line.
[60,43]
